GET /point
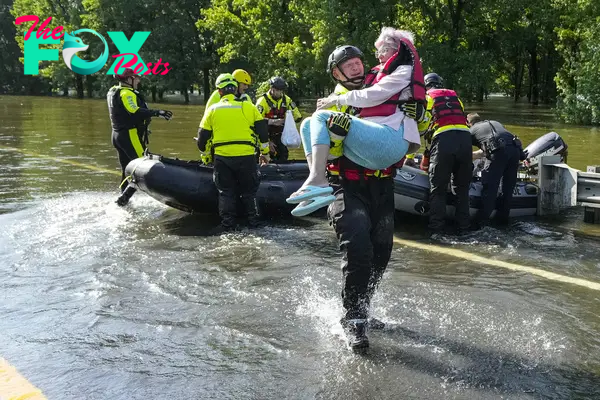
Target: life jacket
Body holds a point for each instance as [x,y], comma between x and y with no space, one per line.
[339,90]
[446,109]
[406,55]
[275,112]
[120,118]
[233,129]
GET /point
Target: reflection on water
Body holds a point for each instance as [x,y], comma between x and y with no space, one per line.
[138,303]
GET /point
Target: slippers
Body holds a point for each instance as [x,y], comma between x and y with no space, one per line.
[309,192]
[312,205]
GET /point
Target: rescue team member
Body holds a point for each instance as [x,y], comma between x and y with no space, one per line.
[244,81]
[273,105]
[233,126]
[362,208]
[503,152]
[445,124]
[129,118]
[352,60]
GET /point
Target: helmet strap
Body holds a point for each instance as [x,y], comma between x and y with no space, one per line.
[127,81]
[355,81]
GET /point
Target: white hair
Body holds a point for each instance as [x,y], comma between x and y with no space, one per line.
[391,37]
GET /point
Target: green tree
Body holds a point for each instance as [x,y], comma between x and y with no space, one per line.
[12,78]
[578,79]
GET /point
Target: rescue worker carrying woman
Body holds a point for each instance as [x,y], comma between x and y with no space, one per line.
[129,118]
[236,129]
[362,164]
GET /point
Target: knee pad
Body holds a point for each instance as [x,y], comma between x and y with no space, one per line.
[339,124]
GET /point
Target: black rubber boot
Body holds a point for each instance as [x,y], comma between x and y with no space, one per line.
[356,333]
[125,196]
[221,229]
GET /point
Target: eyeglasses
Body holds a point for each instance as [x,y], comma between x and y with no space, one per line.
[383,51]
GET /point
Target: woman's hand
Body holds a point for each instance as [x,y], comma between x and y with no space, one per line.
[326,102]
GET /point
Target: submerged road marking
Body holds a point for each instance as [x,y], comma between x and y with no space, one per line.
[62,160]
[498,263]
[13,386]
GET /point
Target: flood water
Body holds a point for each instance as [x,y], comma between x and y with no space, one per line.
[102,302]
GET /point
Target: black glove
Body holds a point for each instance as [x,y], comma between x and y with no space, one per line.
[163,114]
[339,123]
[414,110]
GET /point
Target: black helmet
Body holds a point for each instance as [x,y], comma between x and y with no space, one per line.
[433,80]
[278,82]
[341,54]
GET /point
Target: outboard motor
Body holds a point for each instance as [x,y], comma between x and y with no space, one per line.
[548,145]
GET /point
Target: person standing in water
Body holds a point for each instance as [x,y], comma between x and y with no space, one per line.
[129,118]
[273,106]
[236,129]
[363,155]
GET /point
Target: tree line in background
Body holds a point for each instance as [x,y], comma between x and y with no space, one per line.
[544,50]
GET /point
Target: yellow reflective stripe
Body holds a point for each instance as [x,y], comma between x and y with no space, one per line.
[234,150]
[225,105]
[129,100]
[450,128]
[135,142]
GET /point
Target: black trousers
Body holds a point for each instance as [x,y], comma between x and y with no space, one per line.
[281,153]
[236,178]
[121,140]
[451,157]
[363,218]
[502,164]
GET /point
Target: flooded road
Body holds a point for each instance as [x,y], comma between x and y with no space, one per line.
[100,302]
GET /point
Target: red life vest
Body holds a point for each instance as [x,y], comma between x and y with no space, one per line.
[406,55]
[446,108]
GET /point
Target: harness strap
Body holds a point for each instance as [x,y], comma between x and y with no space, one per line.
[234,142]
